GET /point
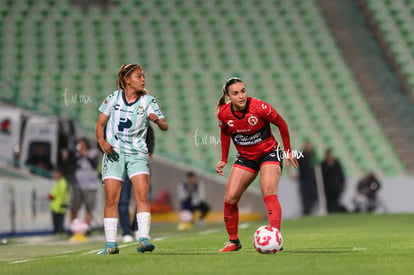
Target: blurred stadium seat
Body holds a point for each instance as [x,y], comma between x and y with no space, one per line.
[393,18]
[282,50]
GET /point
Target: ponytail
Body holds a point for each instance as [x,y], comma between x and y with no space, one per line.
[221,102]
[227,84]
[120,82]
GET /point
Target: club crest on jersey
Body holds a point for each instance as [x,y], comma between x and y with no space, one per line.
[140,111]
[252,120]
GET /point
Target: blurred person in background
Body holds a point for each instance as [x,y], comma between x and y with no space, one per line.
[125,197]
[39,158]
[59,198]
[86,181]
[247,121]
[306,178]
[334,182]
[365,199]
[127,113]
[192,197]
[67,164]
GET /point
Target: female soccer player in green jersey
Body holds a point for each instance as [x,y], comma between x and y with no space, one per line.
[126,114]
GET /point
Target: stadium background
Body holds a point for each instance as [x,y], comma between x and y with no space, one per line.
[339,72]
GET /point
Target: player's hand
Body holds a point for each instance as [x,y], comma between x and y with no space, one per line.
[153,117]
[219,167]
[290,158]
[105,146]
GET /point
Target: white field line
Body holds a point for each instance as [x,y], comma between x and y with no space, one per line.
[36,259]
[97,250]
[244,225]
[209,231]
[205,232]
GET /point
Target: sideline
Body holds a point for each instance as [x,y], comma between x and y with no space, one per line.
[161,238]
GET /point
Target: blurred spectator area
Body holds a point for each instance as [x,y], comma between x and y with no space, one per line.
[61,57]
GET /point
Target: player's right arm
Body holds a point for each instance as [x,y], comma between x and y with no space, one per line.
[99,131]
[105,112]
[225,146]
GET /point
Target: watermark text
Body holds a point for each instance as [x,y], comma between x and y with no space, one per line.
[75,98]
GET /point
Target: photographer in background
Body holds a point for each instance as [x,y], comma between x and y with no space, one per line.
[365,199]
[192,197]
[86,181]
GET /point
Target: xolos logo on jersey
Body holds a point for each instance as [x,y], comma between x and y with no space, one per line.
[252,120]
[140,111]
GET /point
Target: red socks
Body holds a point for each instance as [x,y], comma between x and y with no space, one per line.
[231,219]
[231,215]
[274,211]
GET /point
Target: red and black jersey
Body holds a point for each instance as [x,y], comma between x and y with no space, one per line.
[250,129]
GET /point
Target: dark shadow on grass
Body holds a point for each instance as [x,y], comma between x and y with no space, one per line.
[316,252]
[188,253]
[324,250]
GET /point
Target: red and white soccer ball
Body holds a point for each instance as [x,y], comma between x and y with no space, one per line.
[267,240]
[78,226]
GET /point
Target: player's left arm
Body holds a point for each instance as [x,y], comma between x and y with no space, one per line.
[271,115]
[156,116]
[162,123]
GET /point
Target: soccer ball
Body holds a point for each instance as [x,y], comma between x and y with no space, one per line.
[78,226]
[267,240]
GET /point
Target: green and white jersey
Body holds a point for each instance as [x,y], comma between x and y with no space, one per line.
[126,129]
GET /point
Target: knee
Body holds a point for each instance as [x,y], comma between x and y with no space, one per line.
[268,190]
[232,198]
[142,197]
[111,200]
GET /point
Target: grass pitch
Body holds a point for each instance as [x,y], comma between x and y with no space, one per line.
[335,244]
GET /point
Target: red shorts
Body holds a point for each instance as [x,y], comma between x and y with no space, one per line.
[275,156]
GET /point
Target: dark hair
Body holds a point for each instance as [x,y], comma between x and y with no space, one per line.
[85,140]
[123,72]
[229,82]
[328,151]
[190,174]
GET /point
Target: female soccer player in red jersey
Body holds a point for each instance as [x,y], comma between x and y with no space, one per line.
[247,121]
